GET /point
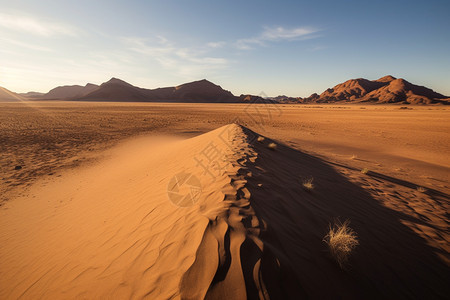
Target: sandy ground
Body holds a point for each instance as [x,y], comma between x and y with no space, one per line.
[104,221]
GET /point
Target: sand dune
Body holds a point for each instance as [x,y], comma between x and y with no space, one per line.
[151,222]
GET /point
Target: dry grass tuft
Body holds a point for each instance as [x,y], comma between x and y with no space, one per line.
[308,184]
[341,240]
[365,171]
[260,138]
[272,146]
[354,156]
[421,189]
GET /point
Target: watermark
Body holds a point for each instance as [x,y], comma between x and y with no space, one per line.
[184,189]
[212,160]
[261,110]
[258,113]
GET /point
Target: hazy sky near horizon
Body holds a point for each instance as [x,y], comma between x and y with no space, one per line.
[286,47]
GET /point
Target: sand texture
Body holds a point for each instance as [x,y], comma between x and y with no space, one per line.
[115,230]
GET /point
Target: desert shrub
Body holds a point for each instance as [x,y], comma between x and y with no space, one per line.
[260,138]
[272,146]
[341,241]
[421,189]
[365,171]
[308,184]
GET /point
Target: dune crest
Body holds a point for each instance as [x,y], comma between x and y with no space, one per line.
[113,231]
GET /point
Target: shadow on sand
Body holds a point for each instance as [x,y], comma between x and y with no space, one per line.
[390,262]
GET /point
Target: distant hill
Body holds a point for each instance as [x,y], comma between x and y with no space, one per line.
[7,96]
[286,99]
[115,90]
[197,91]
[69,91]
[32,95]
[202,91]
[247,98]
[387,89]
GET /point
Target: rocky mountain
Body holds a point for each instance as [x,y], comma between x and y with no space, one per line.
[115,90]
[197,91]
[247,98]
[202,91]
[69,91]
[387,89]
[400,90]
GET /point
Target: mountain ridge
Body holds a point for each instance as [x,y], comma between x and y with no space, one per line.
[69,91]
[197,91]
[385,90]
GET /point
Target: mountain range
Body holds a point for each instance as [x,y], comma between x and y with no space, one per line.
[197,91]
[385,90]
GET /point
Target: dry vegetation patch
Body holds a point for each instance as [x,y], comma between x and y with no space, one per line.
[341,241]
[308,184]
[272,146]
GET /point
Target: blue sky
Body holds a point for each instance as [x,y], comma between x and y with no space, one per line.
[286,47]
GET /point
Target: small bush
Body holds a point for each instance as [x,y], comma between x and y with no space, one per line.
[341,241]
[272,146]
[365,171]
[354,156]
[260,139]
[308,184]
[421,189]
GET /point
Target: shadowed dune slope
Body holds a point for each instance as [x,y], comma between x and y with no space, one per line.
[111,231]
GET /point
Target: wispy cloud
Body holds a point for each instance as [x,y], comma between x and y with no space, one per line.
[24,45]
[216,44]
[34,26]
[317,48]
[276,34]
[185,61]
[280,33]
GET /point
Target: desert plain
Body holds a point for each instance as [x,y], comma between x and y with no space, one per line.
[88,210]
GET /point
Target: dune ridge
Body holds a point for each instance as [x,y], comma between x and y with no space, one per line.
[110,231]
